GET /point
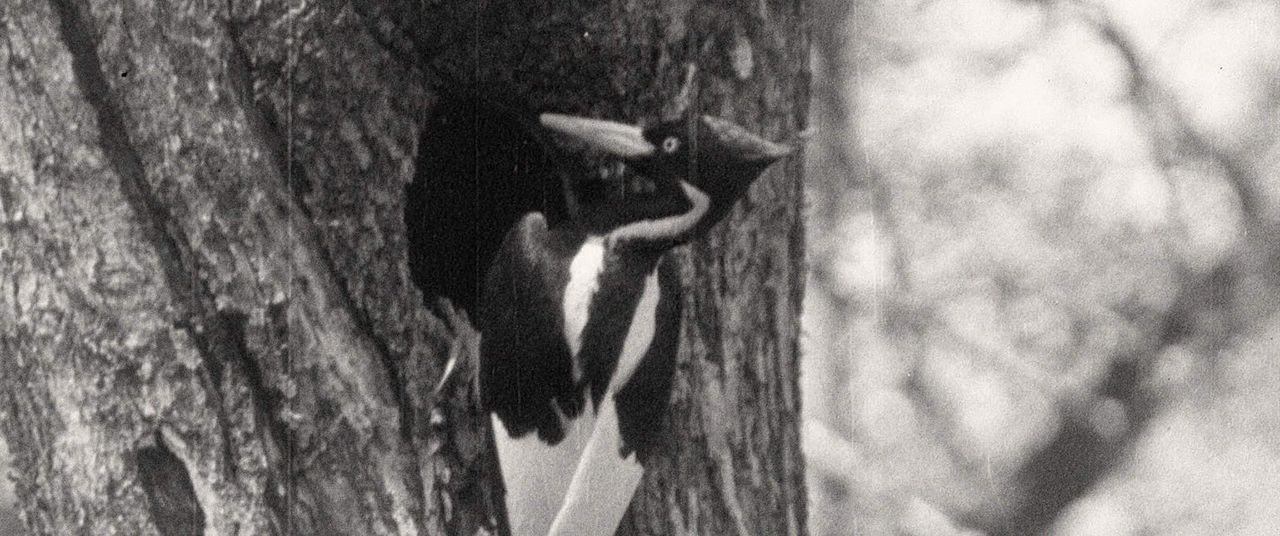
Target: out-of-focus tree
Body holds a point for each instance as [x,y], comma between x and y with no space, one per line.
[1045,268]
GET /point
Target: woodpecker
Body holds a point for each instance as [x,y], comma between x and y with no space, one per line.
[580,321]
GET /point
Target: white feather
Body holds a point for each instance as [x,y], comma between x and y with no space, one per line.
[582,485]
[584,280]
[537,475]
[604,480]
[639,334]
[602,484]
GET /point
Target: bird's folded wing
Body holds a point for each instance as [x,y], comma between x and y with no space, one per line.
[526,371]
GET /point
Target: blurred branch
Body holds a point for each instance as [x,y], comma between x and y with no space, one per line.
[1213,297]
[1170,126]
[829,454]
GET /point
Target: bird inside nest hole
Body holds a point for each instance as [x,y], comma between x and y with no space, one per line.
[480,168]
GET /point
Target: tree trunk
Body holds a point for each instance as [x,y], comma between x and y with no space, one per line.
[206,319]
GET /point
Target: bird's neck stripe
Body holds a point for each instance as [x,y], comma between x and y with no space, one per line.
[639,334]
[669,227]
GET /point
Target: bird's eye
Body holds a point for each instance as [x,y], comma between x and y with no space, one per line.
[670,144]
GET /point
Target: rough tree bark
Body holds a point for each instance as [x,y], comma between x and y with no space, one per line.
[206,320]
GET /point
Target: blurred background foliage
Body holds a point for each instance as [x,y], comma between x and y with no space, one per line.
[1044,240]
[1045,252]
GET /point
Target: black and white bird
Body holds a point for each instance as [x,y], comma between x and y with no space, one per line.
[580,321]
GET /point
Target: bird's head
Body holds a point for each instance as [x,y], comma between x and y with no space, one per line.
[702,159]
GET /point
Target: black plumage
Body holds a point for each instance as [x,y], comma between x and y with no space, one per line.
[580,319]
[642,403]
[526,370]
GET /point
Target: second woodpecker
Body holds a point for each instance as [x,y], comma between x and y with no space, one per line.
[580,321]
